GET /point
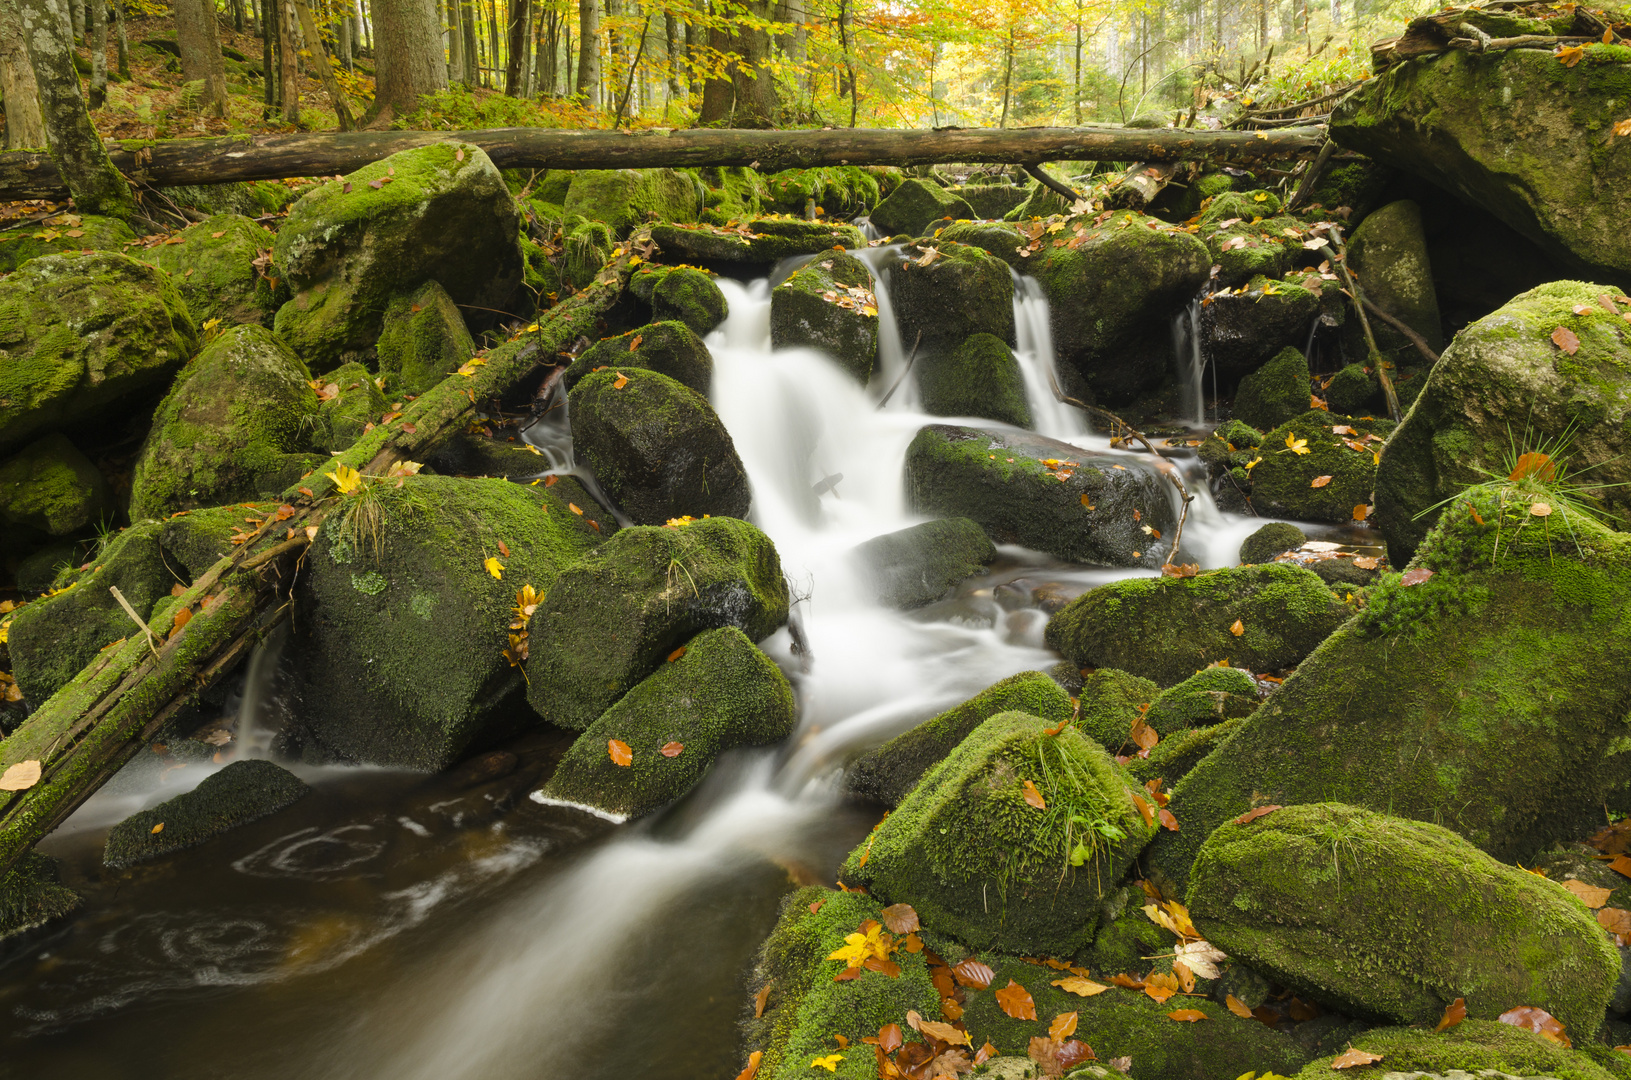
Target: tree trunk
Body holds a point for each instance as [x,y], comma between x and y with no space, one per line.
[1007,77]
[325,71]
[467,27]
[671,44]
[515,67]
[492,43]
[98,93]
[124,42]
[455,44]
[746,96]
[342,39]
[589,52]
[268,19]
[76,149]
[288,80]
[201,62]
[409,56]
[76,19]
[24,125]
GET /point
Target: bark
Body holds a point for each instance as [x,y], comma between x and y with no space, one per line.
[589,52]
[268,16]
[455,44]
[746,96]
[671,43]
[467,27]
[515,73]
[201,61]
[410,58]
[29,175]
[76,19]
[123,40]
[97,96]
[1140,184]
[325,71]
[492,43]
[288,80]
[81,161]
[24,125]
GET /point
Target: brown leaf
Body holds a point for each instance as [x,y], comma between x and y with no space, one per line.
[759,1000]
[1252,815]
[1565,339]
[1188,1016]
[1454,1013]
[1590,895]
[1361,511]
[1237,628]
[1343,429]
[985,1054]
[1351,1057]
[937,1030]
[1535,464]
[1072,1054]
[1062,1027]
[1320,481]
[973,974]
[1169,821]
[1414,577]
[1366,562]
[672,749]
[183,617]
[1621,865]
[1236,1006]
[1614,920]
[1145,810]
[1142,735]
[900,918]
[1538,1020]
[21,776]
[1034,797]
[677,653]
[1016,1001]
[620,752]
[890,1038]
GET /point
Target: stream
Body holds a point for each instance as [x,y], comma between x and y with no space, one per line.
[385,927]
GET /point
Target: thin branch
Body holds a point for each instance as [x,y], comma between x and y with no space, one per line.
[910,360]
[1370,338]
[1312,176]
[1041,176]
[1415,339]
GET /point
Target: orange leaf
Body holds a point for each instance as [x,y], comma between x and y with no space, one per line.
[934,1029]
[1415,577]
[1188,1016]
[677,653]
[1454,1013]
[985,1054]
[1129,982]
[1351,1057]
[973,974]
[635,344]
[1621,865]
[1142,735]
[672,749]
[1320,481]
[1168,820]
[1537,1020]
[890,1038]
[1615,921]
[1186,977]
[1238,1007]
[1080,985]
[1144,809]
[1016,1001]
[1361,511]
[183,617]
[1535,464]
[575,508]
[759,1000]
[900,918]
[1252,815]
[1565,339]
[503,549]
[1569,55]
[1590,895]
[1034,797]
[753,1059]
[620,752]
[1237,628]
[1062,1027]
[620,382]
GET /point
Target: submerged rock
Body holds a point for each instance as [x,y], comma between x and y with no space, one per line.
[980,378]
[805,310]
[1274,393]
[1168,628]
[760,243]
[242,792]
[669,348]
[1302,452]
[915,205]
[214,265]
[422,339]
[1093,508]
[917,565]
[1397,919]
[640,596]
[720,693]
[32,894]
[968,830]
[52,489]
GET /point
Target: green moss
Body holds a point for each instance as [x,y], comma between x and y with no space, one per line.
[1354,390]
[213,264]
[356,403]
[670,348]
[1275,392]
[887,773]
[242,792]
[767,241]
[1108,703]
[422,340]
[1173,757]
[1358,185]
[722,692]
[805,311]
[917,205]
[252,198]
[841,191]
[1470,1045]
[51,488]
[992,201]
[1207,697]
[587,248]
[625,198]
[689,296]
[31,894]
[979,378]
[195,540]
[917,565]
[60,234]
[642,594]
[731,194]
[1283,482]
[1272,539]
[961,293]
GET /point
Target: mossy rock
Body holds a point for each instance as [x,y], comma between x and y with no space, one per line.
[1247,329]
[242,792]
[1210,696]
[1500,130]
[887,773]
[587,248]
[1247,236]
[1273,539]
[657,447]
[1397,919]
[1166,628]
[980,377]
[916,206]
[991,201]
[734,193]
[440,213]
[1388,253]
[32,894]
[1040,202]
[756,244]
[1208,185]
[475,454]
[669,348]
[1108,703]
[625,198]
[1002,240]
[195,540]
[1283,481]
[52,489]
[805,312]
[1275,392]
[689,296]
[422,340]
[1470,1045]
[351,402]
[80,335]
[839,190]
[61,234]
[985,865]
[640,596]
[1174,757]
[721,693]
[252,198]
[213,264]
[962,292]
[239,423]
[1358,185]
[1503,387]
[1097,514]
[1355,390]
[1528,650]
[401,650]
[917,565]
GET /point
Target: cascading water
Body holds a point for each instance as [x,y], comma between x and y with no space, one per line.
[1191,360]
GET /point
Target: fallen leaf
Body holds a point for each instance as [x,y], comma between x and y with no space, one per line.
[1414,577]
[1320,481]
[1537,1020]
[1615,921]
[1252,815]
[1080,986]
[1621,864]
[1590,895]
[973,974]
[1540,509]
[1169,820]
[1034,797]
[155,830]
[937,1030]
[1565,339]
[985,1054]
[1361,512]
[1202,958]
[620,753]
[575,508]
[1366,562]
[830,1062]
[1569,55]
[1296,445]
[1237,628]
[1454,1013]
[183,617]
[1236,1006]
[900,918]
[1535,464]
[1062,1027]
[494,567]
[1352,1057]
[1016,1001]
[677,653]
[672,749]
[890,1038]
[752,1069]
[759,1000]
[1188,1016]
[21,776]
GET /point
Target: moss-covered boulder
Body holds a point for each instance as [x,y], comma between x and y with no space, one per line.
[1048,495]
[1503,387]
[1008,242]
[973,853]
[252,198]
[242,792]
[585,250]
[214,264]
[754,245]
[1176,755]
[1355,390]
[1210,696]
[1112,297]
[435,213]
[1396,919]
[350,400]
[917,565]
[1247,236]
[32,894]
[886,773]
[991,201]
[914,207]
[1502,130]
[1275,392]
[721,692]
[52,489]
[1469,1048]
[1108,704]
[657,447]
[687,295]
[980,377]
[1388,253]
[422,339]
[669,348]
[731,193]
[839,191]
[1273,539]
[1521,648]
[81,334]
[828,304]
[624,198]
[1168,628]
[477,454]
[237,424]
[61,234]
[1302,452]
[948,292]
[401,650]
[1247,327]
[639,597]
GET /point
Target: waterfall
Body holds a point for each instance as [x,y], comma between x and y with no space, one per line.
[1034,334]
[1191,359]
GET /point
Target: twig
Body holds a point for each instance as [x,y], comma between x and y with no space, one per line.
[628,88]
[1312,176]
[909,361]
[1301,105]
[1370,339]
[1415,339]
[119,596]
[1040,175]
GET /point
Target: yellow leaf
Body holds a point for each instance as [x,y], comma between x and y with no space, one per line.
[1296,445]
[1237,628]
[155,830]
[1075,984]
[830,1062]
[1253,463]
[494,567]
[345,478]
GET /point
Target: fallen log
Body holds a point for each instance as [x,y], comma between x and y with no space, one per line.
[30,175]
[118,703]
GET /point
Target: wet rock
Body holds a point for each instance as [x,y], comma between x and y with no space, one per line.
[730,194]
[242,792]
[52,489]
[669,348]
[401,653]
[1473,1050]
[422,340]
[917,565]
[1354,390]
[1247,330]
[722,692]
[657,447]
[1283,482]
[1210,696]
[841,191]
[689,296]
[238,424]
[1275,538]
[471,454]
[82,333]
[1096,514]
[1504,387]
[801,313]
[1108,703]
[1166,629]
[625,198]
[760,243]
[1245,232]
[440,213]
[1275,392]
[979,378]
[967,829]
[1388,253]
[32,894]
[914,206]
[62,234]
[214,267]
[887,773]
[252,198]
[1479,930]
[1501,130]
[961,292]
[639,597]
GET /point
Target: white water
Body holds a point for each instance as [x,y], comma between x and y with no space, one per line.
[1191,358]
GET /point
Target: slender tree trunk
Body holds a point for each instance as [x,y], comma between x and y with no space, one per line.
[25,128]
[288,80]
[98,94]
[849,68]
[589,52]
[268,20]
[124,42]
[76,149]
[200,43]
[342,39]
[671,43]
[1007,77]
[325,70]
[515,65]
[1077,78]
[410,58]
[690,57]
[566,54]
[455,43]
[76,19]
[467,26]
[492,43]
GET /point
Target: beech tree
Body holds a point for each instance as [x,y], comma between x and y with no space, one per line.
[408,48]
[199,39]
[24,125]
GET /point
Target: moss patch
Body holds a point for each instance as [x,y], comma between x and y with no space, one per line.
[917,565]
[670,348]
[213,264]
[913,207]
[52,488]
[980,378]
[805,311]
[1283,481]
[31,895]
[61,234]
[422,340]
[242,792]
[1274,393]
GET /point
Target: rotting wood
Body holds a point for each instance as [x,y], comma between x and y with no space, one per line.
[1140,184]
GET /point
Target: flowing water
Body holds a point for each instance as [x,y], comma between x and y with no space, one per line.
[407,928]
